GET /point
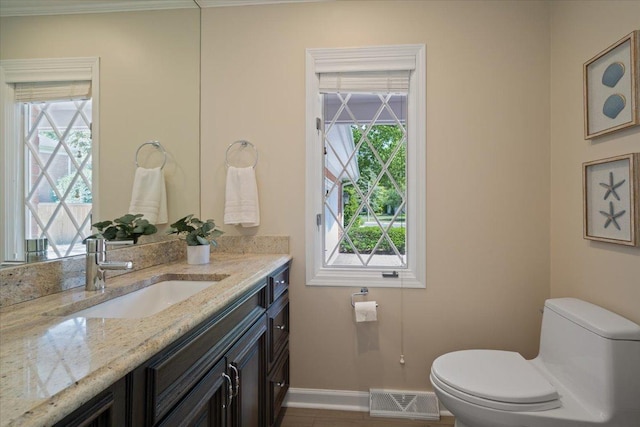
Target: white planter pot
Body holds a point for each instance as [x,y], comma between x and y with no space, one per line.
[198,254]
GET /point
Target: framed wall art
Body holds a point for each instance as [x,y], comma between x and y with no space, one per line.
[612,200]
[611,88]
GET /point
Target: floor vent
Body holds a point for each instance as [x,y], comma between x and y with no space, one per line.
[403,404]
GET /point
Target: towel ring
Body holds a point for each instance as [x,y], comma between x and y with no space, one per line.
[157,145]
[244,144]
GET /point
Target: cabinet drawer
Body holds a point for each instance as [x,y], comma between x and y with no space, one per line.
[278,327]
[278,386]
[278,283]
[173,373]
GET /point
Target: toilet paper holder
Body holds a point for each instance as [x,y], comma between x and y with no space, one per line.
[363,291]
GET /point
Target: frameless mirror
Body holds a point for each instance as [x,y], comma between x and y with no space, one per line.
[75,160]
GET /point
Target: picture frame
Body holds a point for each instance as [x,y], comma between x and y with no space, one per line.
[611,88]
[611,199]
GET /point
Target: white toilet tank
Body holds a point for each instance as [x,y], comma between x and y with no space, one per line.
[594,353]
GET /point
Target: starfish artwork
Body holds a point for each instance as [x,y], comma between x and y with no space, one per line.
[612,216]
[611,187]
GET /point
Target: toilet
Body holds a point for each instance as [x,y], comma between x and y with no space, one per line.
[587,373]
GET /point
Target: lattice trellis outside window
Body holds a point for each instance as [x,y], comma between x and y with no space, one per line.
[365,176]
[58,197]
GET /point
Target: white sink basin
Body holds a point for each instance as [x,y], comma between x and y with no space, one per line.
[146,301]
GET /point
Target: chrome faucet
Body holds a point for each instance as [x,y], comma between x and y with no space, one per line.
[97,263]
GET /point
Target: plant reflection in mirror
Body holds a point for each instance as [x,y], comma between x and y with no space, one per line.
[127,227]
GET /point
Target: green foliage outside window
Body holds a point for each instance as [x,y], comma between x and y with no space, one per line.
[79,141]
[366,238]
[79,193]
[385,139]
[385,198]
[351,206]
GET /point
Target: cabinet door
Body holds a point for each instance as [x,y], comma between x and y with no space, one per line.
[277,386]
[246,364]
[175,371]
[108,409]
[205,405]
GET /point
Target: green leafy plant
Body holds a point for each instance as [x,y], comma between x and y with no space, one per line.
[196,232]
[366,238]
[127,227]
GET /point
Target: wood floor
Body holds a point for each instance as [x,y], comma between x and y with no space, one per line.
[298,417]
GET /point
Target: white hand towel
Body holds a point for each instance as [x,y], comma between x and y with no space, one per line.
[241,198]
[149,195]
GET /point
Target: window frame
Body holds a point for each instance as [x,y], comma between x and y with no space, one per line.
[14,71]
[377,58]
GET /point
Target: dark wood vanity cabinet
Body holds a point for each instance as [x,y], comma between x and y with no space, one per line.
[246,385]
[167,379]
[232,392]
[230,371]
[277,344]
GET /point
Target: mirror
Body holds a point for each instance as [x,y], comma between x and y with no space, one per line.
[149,90]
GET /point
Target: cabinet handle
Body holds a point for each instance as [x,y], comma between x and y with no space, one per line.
[230,393]
[281,282]
[281,384]
[237,374]
[281,327]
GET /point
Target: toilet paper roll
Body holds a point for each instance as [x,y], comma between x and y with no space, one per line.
[366,311]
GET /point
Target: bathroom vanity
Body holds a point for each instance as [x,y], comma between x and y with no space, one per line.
[219,358]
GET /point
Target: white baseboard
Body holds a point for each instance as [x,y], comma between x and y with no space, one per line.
[338,400]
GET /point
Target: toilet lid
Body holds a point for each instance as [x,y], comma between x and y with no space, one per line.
[502,376]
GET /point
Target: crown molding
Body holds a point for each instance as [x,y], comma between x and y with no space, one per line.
[225,3]
[67,7]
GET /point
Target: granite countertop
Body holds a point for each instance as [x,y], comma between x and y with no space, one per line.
[52,362]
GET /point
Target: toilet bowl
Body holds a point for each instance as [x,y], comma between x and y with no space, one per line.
[586,374]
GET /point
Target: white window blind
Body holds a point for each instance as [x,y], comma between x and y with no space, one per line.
[396,81]
[52,91]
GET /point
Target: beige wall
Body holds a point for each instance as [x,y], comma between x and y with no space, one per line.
[602,273]
[487,183]
[504,216]
[149,89]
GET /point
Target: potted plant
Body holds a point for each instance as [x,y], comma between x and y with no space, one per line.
[199,235]
[127,227]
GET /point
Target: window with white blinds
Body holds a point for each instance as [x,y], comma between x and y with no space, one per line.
[48,146]
[366,158]
[396,81]
[52,91]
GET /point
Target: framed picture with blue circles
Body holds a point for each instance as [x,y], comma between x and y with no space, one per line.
[612,88]
[611,190]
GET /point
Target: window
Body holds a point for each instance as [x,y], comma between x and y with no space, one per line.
[56,136]
[366,176]
[48,152]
